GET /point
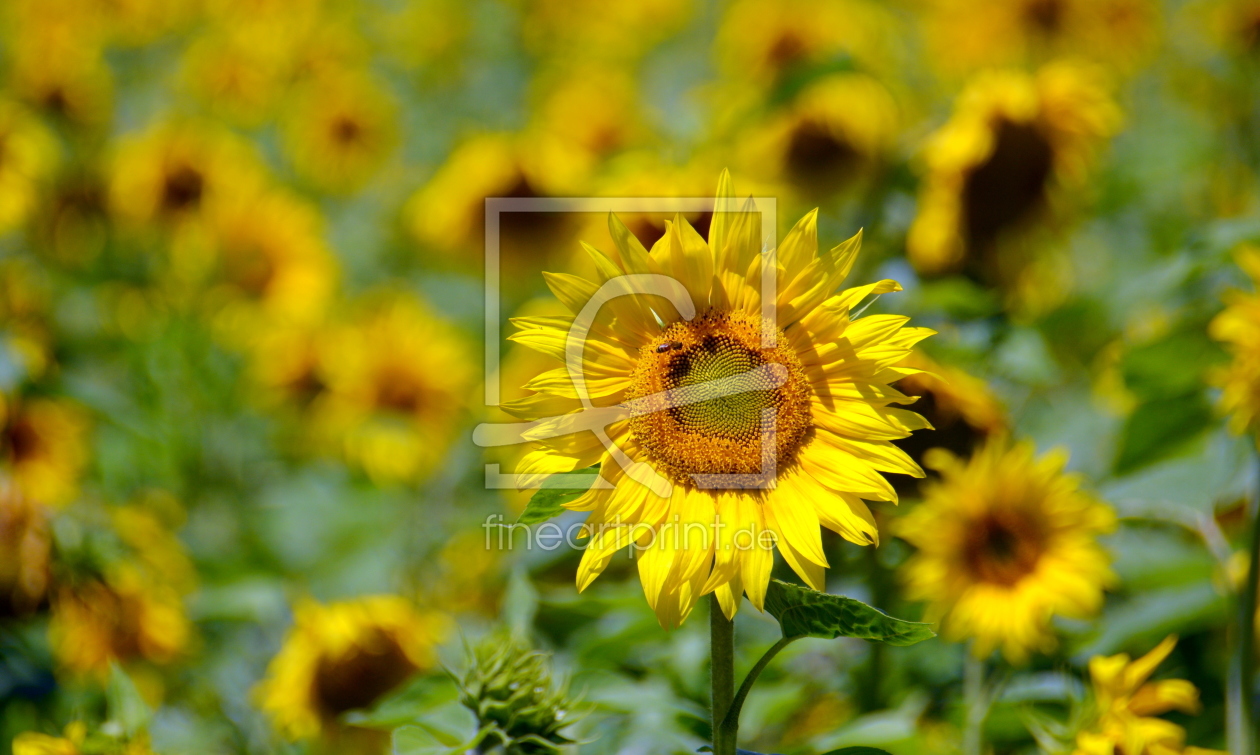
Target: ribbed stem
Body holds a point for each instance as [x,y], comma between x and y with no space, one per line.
[722,654]
[976,702]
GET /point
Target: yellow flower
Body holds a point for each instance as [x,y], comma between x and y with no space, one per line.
[1005,542]
[1238,328]
[30,154]
[57,62]
[763,42]
[273,264]
[705,486]
[1234,24]
[77,742]
[594,107]
[448,214]
[236,73]
[830,136]
[1015,149]
[967,35]
[591,29]
[177,173]
[1126,705]
[339,130]
[25,550]
[43,447]
[397,383]
[345,656]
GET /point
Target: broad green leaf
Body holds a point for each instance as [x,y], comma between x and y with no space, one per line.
[126,706]
[802,612]
[1161,429]
[857,751]
[409,703]
[549,501]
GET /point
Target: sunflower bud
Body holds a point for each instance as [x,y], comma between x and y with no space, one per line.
[517,703]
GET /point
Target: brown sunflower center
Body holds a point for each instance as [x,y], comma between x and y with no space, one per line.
[1010,186]
[1045,16]
[362,676]
[182,188]
[1003,547]
[817,160]
[710,400]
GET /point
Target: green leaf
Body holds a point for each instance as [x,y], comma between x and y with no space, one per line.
[549,501]
[802,612]
[124,702]
[1161,429]
[857,751]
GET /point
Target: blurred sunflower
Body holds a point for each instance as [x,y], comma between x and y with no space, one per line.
[176,173]
[448,214]
[1005,542]
[594,107]
[237,74]
[43,447]
[273,264]
[961,409]
[1014,149]
[1126,704]
[715,465]
[56,59]
[1238,328]
[969,35]
[25,553]
[386,408]
[1234,24]
[339,130]
[28,155]
[834,133]
[345,656]
[78,741]
[589,29]
[766,42]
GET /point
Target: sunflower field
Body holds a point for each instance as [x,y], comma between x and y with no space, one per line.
[636,377]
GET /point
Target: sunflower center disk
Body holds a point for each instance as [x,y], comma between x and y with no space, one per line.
[709,400]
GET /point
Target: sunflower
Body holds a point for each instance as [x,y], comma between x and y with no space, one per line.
[1005,542]
[592,106]
[702,486]
[1238,328]
[28,155]
[397,380]
[448,214]
[832,134]
[43,447]
[962,410]
[765,42]
[25,553]
[56,51]
[345,656]
[131,609]
[176,173]
[1126,705]
[339,131]
[236,76]
[273,263]
[590,29]
[969,35]
[1015,148]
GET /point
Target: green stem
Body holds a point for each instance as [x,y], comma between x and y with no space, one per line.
[975,700]
[730,724]
[722,653]
[1241,678]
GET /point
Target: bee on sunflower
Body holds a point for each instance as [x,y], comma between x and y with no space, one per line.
[733,422]
[1005,542]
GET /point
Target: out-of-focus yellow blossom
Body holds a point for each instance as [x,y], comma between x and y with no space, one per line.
[25,553]
[448,214]
[28,155]
[1007,162]
[339,130]
[592,106]
[398,380]
[55,58]
[762,42]
[1126,705]
[590,29]
[829,137]
[1005,542]
[176,173]
[968,35]
[43,447]
[239,78]
[345,656]
[1234,24]
[469,578]
[272,264]
[24,315]
[1238,328]
[429,35]
[285,365]
[77,741]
